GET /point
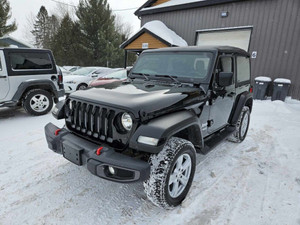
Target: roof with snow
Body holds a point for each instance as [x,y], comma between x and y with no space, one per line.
[159,31]
[11,41]
[173,5]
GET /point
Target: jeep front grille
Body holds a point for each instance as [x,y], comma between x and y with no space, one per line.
[93,121]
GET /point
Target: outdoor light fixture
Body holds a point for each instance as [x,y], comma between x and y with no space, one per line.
[224,14]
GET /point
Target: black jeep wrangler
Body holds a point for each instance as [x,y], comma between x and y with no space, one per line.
[176,102]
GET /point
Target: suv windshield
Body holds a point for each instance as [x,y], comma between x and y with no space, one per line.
[185,66]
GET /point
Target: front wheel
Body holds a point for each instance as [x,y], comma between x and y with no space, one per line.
[38,102]
[81,87]
[172,172]
[242,126]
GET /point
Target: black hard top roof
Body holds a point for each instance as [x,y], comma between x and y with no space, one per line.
[213,48]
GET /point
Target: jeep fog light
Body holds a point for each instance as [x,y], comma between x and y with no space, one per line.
[126,121]
[111,170]
[148,140]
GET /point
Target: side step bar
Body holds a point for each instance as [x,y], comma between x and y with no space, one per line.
[213,140]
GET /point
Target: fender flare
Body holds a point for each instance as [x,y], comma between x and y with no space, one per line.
[165,127]
[240,102]
[30,83]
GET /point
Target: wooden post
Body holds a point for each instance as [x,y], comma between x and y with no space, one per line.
[125,61]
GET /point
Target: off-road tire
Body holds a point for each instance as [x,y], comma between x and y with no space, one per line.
[81,87]
[238,135]
[29,97]
[162,164]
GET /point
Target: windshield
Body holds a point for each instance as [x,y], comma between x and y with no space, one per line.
[182,65]
[84,71]
[121,74]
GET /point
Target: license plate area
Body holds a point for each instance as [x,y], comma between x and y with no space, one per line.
[72,153]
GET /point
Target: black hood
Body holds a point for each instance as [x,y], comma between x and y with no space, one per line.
[143,99]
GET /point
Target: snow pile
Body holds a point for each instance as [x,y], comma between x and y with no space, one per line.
[172,3]
[161,30]
[255,182]
[263,79]
[282,81]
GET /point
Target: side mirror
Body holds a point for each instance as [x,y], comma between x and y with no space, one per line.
[224,79]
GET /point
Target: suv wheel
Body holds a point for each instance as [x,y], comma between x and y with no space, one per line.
[38,102]
[172,172]
[242,126]
[81,87]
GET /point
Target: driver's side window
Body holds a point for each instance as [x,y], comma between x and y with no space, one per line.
[226,64]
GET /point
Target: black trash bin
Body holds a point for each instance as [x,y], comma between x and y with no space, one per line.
[261,87]
[281,88]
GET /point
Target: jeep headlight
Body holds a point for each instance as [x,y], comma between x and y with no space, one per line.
[126,121]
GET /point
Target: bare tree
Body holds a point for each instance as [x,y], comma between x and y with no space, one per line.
[28,27]
[123,28]
[61,10]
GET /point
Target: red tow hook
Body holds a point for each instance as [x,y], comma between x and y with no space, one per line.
[98,152]
[57,132]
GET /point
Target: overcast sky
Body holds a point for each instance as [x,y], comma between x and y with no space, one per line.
[23,9]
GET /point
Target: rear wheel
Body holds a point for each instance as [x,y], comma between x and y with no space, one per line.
[172,173]
[242,126]
[38,102]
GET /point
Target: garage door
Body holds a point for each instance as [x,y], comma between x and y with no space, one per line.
[236,37]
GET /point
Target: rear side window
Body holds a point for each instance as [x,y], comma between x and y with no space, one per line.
[30,61]
[0,65]
[243,69]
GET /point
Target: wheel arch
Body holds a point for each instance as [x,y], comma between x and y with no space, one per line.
[183,124]
[244,99]
[26,86]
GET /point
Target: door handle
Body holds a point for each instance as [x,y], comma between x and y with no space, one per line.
[231,94]
[3,77]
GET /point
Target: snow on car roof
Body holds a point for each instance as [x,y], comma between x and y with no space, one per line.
[161,30]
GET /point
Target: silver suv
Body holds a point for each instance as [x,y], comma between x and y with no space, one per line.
[29,78]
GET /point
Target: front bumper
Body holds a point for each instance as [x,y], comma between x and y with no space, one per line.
[82,152]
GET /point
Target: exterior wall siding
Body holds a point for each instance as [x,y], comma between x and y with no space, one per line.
[146,38]
[158,2]
[275,36]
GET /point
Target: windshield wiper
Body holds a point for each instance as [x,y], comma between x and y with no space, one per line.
[171,77]
[143,74]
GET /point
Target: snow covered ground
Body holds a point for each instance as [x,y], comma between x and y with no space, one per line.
[255,182]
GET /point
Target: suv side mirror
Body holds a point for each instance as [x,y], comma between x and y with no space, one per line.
[224,79]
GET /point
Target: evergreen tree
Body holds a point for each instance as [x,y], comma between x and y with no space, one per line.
[41,29]
[5,15]
[66,43]
[99,34]
[53,26]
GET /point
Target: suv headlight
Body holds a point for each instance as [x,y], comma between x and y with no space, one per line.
[126,121]
[71,82]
